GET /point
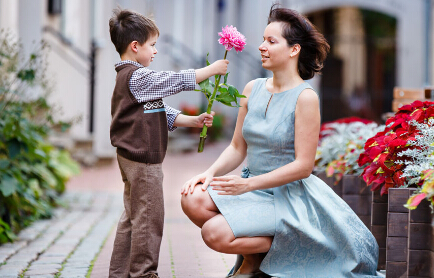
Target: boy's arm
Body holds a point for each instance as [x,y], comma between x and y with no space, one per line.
[148,85]
[194,121]
[171,114]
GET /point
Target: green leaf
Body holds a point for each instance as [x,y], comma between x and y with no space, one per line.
[14,148]
[4,164]
[207,62]
[46,175]
[226,78]
[206,87]
[222,90]
[232,90]
[225,98]
[8,185]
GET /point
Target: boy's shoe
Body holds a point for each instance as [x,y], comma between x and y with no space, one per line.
[152,275]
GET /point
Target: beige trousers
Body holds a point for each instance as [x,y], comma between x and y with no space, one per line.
[140,229]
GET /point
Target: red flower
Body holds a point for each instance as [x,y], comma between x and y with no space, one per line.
[381,151]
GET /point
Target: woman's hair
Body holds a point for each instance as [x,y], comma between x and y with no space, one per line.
[127,26]
[299,30]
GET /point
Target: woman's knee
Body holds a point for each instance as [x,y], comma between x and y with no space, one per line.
[217,234]
[193,203]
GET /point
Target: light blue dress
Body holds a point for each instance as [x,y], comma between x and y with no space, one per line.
[316,234]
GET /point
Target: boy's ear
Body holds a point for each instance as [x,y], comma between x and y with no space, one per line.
[133,46]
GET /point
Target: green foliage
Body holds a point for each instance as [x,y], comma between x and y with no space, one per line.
[32,172]
[227,94]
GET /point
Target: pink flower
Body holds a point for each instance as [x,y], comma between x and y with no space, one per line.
[230,37]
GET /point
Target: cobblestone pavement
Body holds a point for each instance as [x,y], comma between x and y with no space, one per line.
[77,242]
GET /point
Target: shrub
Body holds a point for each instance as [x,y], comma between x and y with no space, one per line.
[32,172]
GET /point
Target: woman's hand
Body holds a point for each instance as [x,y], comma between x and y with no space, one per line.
[203,179]
[230,185]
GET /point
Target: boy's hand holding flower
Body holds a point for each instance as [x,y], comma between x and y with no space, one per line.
[230,38]
[220,66]
[204,119]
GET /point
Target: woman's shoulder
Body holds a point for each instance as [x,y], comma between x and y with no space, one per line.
[308,98]
[251,85]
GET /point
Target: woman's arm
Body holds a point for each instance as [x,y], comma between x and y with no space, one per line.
[231,157]
[307,125]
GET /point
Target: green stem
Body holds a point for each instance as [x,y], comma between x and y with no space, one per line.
[208,110]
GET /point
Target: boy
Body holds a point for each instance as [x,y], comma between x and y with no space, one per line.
[140,120]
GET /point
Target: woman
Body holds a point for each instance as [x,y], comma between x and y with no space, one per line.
[283,220]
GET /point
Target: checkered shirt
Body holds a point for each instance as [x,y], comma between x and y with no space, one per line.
[148,85]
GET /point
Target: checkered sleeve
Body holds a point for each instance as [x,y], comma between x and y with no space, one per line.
[148,85]
[171,113]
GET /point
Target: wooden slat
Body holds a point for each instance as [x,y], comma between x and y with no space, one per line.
[378,198]
[354,185]
[366,219]
[408,93]
[420,263]
[381,259]
[422,214]
[396,269]
[360,204]
[396,250]
[397,224]
[380,234]
[397,198]
[379,213]
[420,236]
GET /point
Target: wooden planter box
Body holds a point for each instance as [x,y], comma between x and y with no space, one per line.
[337,188]
[358,196]
[379,225]
[410,237]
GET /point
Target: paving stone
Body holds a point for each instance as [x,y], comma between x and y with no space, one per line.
[42,266]
[41,271]
[72,275]
[40,276]
[49,260]
[8,275]
[10,272]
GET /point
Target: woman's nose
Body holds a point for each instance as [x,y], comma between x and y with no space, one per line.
[262,47]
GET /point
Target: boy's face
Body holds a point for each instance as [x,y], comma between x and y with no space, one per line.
[146,51]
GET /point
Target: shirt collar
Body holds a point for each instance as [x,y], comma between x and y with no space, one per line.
[128,62]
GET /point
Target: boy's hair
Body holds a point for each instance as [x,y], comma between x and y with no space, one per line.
[127,26]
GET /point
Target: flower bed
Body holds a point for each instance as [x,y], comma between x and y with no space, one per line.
[399,161]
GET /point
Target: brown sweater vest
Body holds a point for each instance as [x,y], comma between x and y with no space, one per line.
[138,130]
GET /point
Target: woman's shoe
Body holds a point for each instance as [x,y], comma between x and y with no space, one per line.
[239,275]
[258,274]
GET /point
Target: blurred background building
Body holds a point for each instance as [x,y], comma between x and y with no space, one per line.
[375,46]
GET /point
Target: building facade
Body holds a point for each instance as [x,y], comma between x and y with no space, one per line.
[82,57]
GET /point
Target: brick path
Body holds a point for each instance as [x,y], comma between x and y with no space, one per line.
[77,242]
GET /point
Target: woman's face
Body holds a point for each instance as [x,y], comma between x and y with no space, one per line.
[275,51]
